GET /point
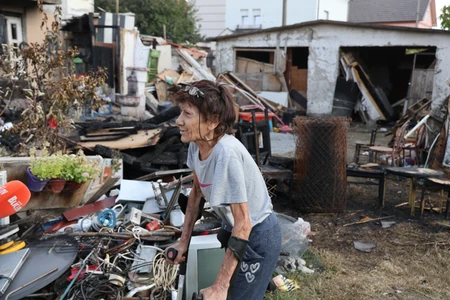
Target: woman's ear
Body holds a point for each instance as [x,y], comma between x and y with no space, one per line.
[213,123]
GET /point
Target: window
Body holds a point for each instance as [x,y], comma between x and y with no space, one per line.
[14,30]
[244,17]
[256,17]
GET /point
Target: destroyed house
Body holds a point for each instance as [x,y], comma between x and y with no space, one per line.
[342,68]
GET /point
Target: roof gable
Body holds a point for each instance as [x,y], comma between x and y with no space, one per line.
[376,11]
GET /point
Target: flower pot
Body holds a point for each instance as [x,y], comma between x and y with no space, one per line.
[73,186]
[56,185]
[35,184]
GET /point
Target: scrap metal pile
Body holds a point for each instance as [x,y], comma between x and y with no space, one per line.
[109,249]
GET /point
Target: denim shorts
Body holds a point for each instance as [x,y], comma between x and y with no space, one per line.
[253,274]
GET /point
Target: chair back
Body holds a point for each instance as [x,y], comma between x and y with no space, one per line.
[255,136]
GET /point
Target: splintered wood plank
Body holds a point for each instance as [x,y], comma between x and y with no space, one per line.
[143,138]
[171,73]
[161,90]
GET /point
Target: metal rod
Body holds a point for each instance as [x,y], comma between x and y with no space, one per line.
[417,13]
[32,281]
[123,234]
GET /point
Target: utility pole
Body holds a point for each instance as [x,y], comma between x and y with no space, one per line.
[408,101]
[283,22]
[417,13]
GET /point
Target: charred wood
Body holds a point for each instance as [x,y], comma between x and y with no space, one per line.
[108,152]
[155,152]
[165,115]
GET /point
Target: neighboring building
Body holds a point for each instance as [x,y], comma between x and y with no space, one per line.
[211,16]
[395,13]
[21,20]
[307,57]
[218,17]
[76,8]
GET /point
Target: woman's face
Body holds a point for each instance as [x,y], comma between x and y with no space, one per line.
[191,125]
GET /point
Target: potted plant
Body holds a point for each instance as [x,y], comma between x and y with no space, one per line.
[42,169]
[78,170]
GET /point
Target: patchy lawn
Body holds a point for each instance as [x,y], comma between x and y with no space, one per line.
[411,259]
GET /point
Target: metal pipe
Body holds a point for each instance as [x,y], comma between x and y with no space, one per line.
[32,281]
[63,296]
[417,13]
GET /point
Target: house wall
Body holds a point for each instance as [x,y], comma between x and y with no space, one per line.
[297,11]
[300,11]
[406,24]
[34,34]
[324,41]
[211,15]
[337,10]
[75,8]
[271,13]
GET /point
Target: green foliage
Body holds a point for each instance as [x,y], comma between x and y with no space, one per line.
[45,166]
[445,17]
[178,16]
[58,165]
[78,168]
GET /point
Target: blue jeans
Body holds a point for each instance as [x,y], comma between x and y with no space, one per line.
[253,274]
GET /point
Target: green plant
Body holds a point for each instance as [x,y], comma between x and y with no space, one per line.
[46,166]
[445,17]
[53,89]
[78,168]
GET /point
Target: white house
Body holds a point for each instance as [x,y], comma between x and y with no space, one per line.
[211,16]
[219,16]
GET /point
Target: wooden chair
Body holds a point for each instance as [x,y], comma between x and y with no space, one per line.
[364,146]
[255,136]
[439,184]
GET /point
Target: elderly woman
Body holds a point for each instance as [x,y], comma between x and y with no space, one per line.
[227,176]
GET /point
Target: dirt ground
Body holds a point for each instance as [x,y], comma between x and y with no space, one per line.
[411,259]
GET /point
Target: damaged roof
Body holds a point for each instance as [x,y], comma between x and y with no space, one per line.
[370,11]
[312,24]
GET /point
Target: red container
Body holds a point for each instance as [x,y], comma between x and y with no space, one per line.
[259,116]
[153,225]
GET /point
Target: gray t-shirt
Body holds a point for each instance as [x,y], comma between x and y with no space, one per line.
[230,175]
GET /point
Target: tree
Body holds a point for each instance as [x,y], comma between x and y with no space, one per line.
[151,15]
[445,17]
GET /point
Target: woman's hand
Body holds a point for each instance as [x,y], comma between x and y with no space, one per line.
[181,248]
[214,292]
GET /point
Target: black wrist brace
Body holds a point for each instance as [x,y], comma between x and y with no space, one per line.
[237,246]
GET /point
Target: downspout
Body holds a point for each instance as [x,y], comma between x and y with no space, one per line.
[318,9]
[417,13]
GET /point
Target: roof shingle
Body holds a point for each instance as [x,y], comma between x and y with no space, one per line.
[376,11]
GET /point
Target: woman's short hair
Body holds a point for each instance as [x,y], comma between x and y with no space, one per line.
[213,101]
